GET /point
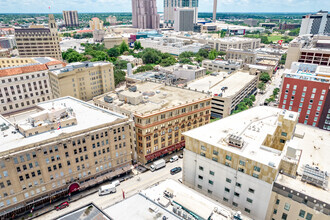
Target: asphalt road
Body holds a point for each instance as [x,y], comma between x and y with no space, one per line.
[130,187]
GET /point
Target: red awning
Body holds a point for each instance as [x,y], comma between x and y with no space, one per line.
[74,187]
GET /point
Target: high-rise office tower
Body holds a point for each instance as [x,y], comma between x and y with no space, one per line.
[171,5]
[144,14]
[71,18]
[318,23]
[96,24]
[215,4]
[40,41]
[184,19]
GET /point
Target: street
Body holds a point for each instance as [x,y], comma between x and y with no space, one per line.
[275,83]
[130,187]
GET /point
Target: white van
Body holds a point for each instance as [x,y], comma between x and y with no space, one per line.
[174,158]
[116,183]
[107,189]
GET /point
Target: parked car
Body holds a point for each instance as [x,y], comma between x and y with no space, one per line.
[62,206]
[174,158]
[181,156]
[176,170]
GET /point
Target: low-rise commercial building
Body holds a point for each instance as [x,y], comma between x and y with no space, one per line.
[251,22]
[228,90]
[133,60]
[306,90]
[236,160]
[22,86]
[184,71]
[82,80]
[309,49]
[57,148]
[172,45]
[286,26]
[161,113]
[268,25]
[221,65]
[245,56]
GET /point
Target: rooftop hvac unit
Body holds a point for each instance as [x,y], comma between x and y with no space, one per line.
[314,176]
[132,89]
[108,99]
[236,141]
[4,127]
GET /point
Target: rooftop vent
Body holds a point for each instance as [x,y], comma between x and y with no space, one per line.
[4,127]
[235,141]
[132,89]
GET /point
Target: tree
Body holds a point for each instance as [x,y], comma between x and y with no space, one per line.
[294,32]
[119,76]
[185,60]
[264,77]
[283,59]
[144,68]
[114,52]
[199,59]
[121,64]
[213,54]
[137,45]
[253,98]
[169,61]
[186,54]
[151,57]
[123,47]
[203,53]
[262,86]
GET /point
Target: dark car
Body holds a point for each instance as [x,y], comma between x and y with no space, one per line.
[175,170]
[62,206]
[181,156]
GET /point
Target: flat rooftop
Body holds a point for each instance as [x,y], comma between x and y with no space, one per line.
[156,97]
[87,116]
[253,126]
[76,65]
[315,152]
[183,196]
[235,82]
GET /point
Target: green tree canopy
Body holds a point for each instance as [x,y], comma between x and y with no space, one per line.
[123,47]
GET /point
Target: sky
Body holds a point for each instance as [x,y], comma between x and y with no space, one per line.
[57,6]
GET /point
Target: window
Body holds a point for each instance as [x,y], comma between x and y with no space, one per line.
[211,182]
[209,191]
[309,216]
[241,170]
[199,186]
[284,134]
[211,173]
[203,147]
[225,199]
[238,185]
[287,206]
[215,152]
[256,168]
[235,204]
[227,190]
[277,201]
[201,168]
[275,211]
[228,180]
[200,177]
[241,162]
[228,157]
[236,194]
[247,210]
[255,175]
[284,216]
[302,213]
[249,200]
[251,190]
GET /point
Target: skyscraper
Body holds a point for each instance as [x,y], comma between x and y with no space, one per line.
[171,5]
[96,24]
[183,19]
[31,44]
[215,4]
[71,18]
[144,14]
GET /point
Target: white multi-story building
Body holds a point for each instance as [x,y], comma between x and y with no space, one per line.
[171,45]
[23,86]
[170,6]
[236,160]
[318,23]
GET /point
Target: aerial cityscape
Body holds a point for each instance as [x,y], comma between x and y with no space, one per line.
[164,109]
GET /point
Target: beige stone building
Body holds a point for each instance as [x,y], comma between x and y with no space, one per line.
[82,80]
[228,90]
[245,56]
[111,41]
[39,42]
[221,65]
[58,148]
[95,24]
[161,114]
[22,86]
[237,159]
